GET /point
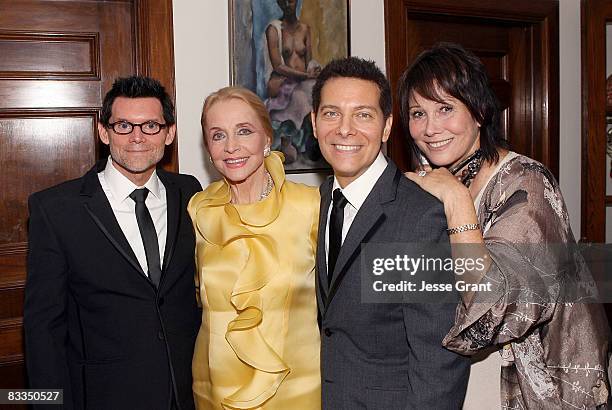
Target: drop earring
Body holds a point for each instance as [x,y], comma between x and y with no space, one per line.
[267,151]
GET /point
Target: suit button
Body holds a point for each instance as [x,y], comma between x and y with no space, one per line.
[160,301]
[327,332]
[160,335]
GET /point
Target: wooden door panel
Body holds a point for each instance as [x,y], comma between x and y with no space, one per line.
[51,149]
[12,281]
[521,112]
[12,374]
[471,32]
[36,94]
[114,50]
[43,55]
[69,14]
[58,60]
[12,336]
[12,298]
[12,265]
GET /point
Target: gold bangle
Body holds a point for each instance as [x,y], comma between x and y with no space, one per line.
[463,228]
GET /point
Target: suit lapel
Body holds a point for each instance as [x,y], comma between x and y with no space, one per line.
[364,221]
[97,206]
[369,216]
[173,201]
[321,277]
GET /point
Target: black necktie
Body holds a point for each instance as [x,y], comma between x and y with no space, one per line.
[336,219]
[148,234]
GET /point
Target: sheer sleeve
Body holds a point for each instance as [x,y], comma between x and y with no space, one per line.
[527,234]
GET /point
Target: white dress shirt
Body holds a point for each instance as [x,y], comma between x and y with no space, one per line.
[118,188]
[355,193]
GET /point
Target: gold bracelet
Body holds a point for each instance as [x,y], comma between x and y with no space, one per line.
[463,228]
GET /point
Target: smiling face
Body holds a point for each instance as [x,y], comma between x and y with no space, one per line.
[446,132]
[350,126]
[235,139]
[136,154]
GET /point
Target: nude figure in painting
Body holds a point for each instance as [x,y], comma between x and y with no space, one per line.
[290,77]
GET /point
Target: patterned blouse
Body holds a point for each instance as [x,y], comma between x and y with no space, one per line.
[552,336]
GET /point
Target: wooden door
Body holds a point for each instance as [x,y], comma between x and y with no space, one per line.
[596,14]
[518,44]
[57,60]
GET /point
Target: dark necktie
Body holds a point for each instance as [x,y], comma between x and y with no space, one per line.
[148,234]
[336,220]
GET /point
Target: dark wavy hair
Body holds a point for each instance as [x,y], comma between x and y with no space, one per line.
[137,87]
[449,68]
[354,67]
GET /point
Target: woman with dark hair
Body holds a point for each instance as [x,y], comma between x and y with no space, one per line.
[506,208]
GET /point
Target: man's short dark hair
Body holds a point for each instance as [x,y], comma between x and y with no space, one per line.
[354,67]
[137,87]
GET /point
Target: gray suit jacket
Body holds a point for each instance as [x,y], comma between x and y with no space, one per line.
[385,356]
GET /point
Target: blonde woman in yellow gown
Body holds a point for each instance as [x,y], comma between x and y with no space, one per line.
[258,346]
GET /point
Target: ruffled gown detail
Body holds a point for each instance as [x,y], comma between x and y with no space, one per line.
[258,346]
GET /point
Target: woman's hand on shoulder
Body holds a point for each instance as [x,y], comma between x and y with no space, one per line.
[438,182]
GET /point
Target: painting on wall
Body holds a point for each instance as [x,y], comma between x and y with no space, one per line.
[277,49]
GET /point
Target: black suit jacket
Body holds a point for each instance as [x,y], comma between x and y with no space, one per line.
[382,355]
[95,325]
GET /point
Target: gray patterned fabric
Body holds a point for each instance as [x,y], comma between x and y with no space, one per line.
[555,354]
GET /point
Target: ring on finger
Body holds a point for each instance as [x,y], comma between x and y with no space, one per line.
[422,173]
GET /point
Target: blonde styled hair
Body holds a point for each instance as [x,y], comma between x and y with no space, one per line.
[242,94]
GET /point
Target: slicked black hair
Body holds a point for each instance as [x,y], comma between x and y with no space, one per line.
[354,67]
[137,87]
[449,68]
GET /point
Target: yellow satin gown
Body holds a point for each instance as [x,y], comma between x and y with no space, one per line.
[258,346]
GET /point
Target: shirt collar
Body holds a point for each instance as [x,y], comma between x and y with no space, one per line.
[121,187]
[357,191]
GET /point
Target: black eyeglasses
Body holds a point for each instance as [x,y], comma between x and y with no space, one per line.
[147,127]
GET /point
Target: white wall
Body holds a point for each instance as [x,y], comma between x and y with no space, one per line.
[202,66]
[201,48]
[201,57]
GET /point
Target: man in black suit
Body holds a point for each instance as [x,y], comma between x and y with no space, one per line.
[110,312]
[384,355]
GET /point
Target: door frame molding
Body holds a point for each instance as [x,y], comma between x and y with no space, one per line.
[154,47]
[542,17]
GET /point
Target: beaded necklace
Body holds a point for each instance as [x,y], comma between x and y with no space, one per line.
[471,165]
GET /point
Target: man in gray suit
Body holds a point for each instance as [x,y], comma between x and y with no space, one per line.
[375,356]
